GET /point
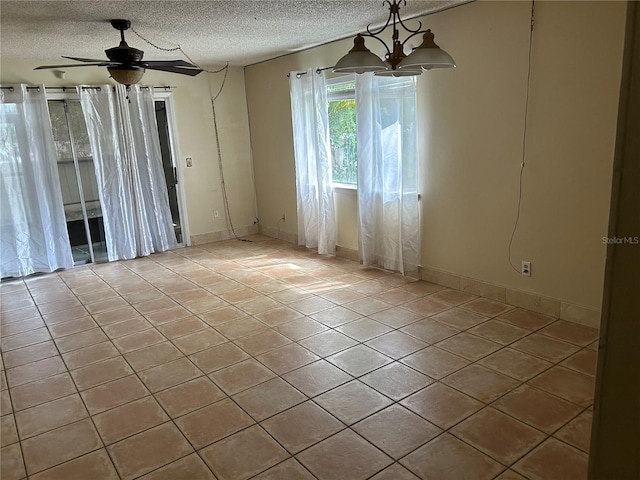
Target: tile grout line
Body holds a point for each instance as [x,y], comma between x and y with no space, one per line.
[268,433]
[358,343]
[77,393]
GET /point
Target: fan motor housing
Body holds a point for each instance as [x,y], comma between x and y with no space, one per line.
[124,54]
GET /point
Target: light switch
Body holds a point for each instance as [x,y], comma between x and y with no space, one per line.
[189,162]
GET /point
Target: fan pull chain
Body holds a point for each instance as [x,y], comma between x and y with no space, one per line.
[174,49]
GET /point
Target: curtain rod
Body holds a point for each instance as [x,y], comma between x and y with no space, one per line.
[10,88]
[318,70]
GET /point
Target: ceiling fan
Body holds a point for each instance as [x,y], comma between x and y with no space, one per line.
[125,63]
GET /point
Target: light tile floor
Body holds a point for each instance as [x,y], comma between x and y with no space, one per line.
[260,360]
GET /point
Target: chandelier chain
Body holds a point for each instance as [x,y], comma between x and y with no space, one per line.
[174,49]
[533,14]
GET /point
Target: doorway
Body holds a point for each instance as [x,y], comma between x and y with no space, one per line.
[169,166]
[78,183]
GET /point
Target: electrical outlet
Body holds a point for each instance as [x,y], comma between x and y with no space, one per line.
[189,161]
[216,214]
[526,268]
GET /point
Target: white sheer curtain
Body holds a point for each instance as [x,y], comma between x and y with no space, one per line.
[316,215]
[126,152]
[33,229]
[387,172]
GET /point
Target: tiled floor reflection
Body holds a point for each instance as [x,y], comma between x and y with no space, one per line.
[241,360]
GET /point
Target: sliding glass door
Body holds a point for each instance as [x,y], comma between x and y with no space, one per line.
[169,166]
[78,182]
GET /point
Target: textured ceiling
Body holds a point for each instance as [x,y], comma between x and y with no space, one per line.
[212,32]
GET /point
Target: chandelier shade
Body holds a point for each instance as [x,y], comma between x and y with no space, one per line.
[359,59]
[425,57]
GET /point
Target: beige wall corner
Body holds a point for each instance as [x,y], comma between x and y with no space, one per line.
[220,235]
[267,91]
[279,234]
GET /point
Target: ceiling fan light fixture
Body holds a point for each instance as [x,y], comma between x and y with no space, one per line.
[126,76]
[359,59]
[125,63]
[428,55]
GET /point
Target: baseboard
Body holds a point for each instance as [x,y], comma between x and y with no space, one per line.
[548,306]
[518,298]
[280,235]
[221,235]
[348,253]
[341,252]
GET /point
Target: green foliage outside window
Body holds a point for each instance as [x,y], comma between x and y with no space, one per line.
[342,133]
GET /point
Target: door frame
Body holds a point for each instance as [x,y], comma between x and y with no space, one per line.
[167,97]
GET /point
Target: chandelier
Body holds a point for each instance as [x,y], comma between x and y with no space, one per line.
[425,57]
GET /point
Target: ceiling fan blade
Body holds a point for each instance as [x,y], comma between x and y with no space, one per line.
[43,67]
[170,63]
[183,71]
[92,60]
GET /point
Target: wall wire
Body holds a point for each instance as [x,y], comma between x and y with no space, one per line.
[223,186]
[225,199]
[524,138]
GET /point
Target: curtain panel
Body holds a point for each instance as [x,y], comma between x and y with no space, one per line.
[125,145]
[314,194]
[388,213]
[33,229]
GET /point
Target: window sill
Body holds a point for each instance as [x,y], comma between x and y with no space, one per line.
[344,187]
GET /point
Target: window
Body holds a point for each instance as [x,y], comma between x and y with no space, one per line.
[341,97]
